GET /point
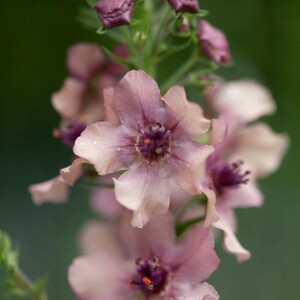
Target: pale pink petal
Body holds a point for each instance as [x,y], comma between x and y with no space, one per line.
[68,100]
[111,115]
[84,60]
[105,146]
[188,163]
[197,259]
[97,236]
[186,118]
[155,238]
[137,100]
[231,243]
[246,195]
[245,99]
[71,173]
[211,212]
[103,201]
[102,276]
[261,148]
[55,190]
[145,190]
[218,132]
[187,291]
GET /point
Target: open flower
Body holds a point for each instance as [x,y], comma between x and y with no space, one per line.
[155,143]
[247,153]
[146,263]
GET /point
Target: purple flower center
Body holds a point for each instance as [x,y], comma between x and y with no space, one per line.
[69,131]
[227,175]
[150,276]
[154,142]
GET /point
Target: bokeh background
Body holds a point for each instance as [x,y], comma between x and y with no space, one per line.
[265,42]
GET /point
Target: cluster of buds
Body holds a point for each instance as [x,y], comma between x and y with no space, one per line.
[164,170]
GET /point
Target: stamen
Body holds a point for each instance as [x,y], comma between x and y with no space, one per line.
[146,280]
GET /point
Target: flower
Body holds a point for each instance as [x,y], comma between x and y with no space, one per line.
[247,153]
[144,263]
[155,143]
[113,13]
[80,100]
[188,6]
[213,43]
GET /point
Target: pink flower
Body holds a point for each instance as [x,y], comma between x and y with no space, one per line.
[155,143]
[80,100]
[189,6]
[113,13]
[213,43]
[247,153]
[145,264]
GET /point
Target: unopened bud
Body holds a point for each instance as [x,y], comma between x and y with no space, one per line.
[213,43]
[113,13]
[188,6]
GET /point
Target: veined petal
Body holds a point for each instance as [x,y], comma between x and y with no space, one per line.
[71,173]
[55,190]
[185,117]
[245,99]
[84,59]
[105,146]
[197,259]
[231,243]
[145,190]
[68,100]
[261,148]
[188,163]
[137,100]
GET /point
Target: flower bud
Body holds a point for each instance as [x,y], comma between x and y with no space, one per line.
[113,13]
[213,43]
[189,6]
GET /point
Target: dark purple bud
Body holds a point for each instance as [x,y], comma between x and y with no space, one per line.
[113,13]
[213,43]
[188,6]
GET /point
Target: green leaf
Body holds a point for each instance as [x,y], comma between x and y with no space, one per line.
[202,13]
[135,22]
[101,30]
[92,3]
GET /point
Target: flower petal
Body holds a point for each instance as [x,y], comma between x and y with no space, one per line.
[218,132]
[84,60]
[261,148]
[227,223]
[145,190]
[111,115]
[55,190]
[101,276]
[197,259]
[71,173]
[185,116]
[137,100]
[68,100]
[245,99]
[211,212]
[105,146]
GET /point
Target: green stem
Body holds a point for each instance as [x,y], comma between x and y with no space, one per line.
[26,284]
[181,228]
[176,76]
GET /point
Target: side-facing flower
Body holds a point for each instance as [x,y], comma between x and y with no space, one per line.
[247,153]
[155,143]
[145,263]
[213,43]
[113,13]
[189,6]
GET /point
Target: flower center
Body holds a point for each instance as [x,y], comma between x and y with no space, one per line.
[150,276]
[229,176]
[154,142]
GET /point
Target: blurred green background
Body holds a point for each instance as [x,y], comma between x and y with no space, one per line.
[265,42]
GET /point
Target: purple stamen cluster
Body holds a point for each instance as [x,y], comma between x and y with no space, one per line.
[154,142]
[151,277]
[69,131]
[229,176]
